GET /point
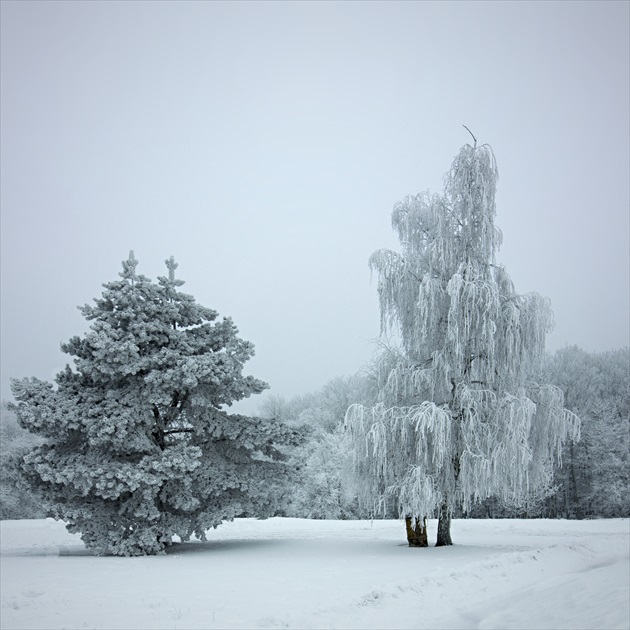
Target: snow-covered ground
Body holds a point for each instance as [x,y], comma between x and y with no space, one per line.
[293,573]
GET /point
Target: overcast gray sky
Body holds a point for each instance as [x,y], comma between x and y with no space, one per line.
[265,144]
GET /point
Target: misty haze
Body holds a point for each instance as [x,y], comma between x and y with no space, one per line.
[315,314]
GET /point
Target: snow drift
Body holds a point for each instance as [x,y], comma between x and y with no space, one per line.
[294,573]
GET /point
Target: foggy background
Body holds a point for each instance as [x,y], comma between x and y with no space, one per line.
[265,144]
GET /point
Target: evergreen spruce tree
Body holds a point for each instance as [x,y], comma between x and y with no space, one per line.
[459,418]
[137,445]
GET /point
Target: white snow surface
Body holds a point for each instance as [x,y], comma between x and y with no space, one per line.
[295,573]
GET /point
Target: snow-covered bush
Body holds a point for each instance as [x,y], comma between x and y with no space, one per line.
[324,486]
[16,501]
[138,447]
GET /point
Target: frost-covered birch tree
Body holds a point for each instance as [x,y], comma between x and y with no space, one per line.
[138,445]
[458,418]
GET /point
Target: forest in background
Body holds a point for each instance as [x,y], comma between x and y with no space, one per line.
[592,482]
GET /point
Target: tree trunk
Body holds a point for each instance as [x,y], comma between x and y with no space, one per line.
[444,527]
[417,531]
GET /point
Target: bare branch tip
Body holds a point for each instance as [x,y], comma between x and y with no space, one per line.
[472,134]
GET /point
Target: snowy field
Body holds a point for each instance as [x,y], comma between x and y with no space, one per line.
[293,573]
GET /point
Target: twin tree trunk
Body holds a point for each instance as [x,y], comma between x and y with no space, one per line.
[417,530]
[444,527]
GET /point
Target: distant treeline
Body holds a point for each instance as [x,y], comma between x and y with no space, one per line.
[593,481]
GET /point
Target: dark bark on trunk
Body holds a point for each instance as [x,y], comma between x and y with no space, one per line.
[158,431]
[444,527]
[417,531]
